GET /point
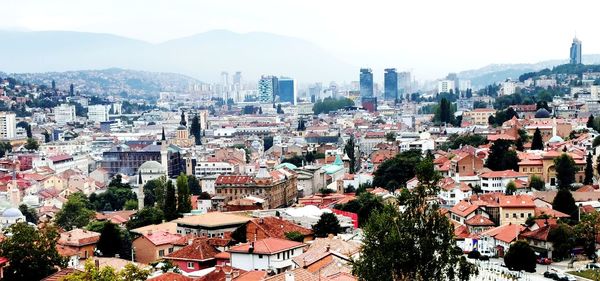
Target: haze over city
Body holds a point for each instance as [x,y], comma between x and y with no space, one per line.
[431,38]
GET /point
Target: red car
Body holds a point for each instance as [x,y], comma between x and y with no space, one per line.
[544,261]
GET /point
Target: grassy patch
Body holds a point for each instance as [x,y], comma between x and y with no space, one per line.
[589,274]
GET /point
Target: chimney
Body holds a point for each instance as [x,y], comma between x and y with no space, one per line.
[289,276]
[327,248]
[97,263]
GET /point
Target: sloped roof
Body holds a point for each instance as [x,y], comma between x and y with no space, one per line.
[266,246]
[199,250]
[479,220]
[463,208]
[506,233]
[277,227]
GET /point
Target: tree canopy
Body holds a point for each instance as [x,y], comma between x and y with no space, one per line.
[330,104]
[75,212]
[400,169]
[537,143]
[502,157]
[327,224]
[520,256]
[565,171]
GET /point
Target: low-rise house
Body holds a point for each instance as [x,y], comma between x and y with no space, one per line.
[213,224]
[78,243]
[497,181]
[276,227]
[463,211]
[266,254]
[153,246]
[496,241]
[538,238]
[199,254]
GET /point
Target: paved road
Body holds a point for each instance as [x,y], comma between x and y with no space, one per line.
[492,270]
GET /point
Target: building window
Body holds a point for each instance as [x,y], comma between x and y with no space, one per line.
[260,256]
[170,250]
[190,265]
[161,253]
[507,215]
[522,215]
[515,215]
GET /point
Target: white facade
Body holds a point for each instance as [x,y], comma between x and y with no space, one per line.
[507,88]
[64,113]
[453,196]
[498,183]
[98,113]
[279,262]
[214,168]
[8,125]
[444,86]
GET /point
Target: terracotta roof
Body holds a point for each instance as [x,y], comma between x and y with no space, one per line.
[550,212]
[277,227]
[516,201]
[78,237]
[479,220]
[234,180]
[463,208]
[171,276]
[223,256]
[299,274]
[253,275]
[540,234]
[170,227]
[503,174]
[341,276]
[199,250]
[267,246]
[61,274]
[162,237]
[506,233]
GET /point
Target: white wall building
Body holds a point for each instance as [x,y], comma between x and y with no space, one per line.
[496,181]
[8,125]
[444,86]
[64,113]
[266,254]
[214,168]
[98,113]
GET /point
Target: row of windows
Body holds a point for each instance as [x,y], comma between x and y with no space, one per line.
[514,215]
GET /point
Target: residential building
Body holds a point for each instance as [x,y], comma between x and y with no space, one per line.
[366,83]
[79,241]
[496,241]
[479,116]
[8,125]
[128,157]
[390,84]
[276,227]
[213,224]
[542,165]
[64,113]
[515,209]
[98,113]
[445,86]
[153,246]
[266,254]
[204,168]
[198,255]
[497,181]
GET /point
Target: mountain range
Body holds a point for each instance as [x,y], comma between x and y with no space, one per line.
[202,56]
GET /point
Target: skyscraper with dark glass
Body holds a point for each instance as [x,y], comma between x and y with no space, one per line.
[390,84]
[575,54]
[287,90]
[268,88]
[366,82]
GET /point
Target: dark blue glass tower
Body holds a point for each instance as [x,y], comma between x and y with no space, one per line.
[366,82]
[390,84]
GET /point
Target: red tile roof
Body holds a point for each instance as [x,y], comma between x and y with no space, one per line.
[171,276]
[162,237]
[199,250]
[506,233]
[463,209]
[60,275]
[503,174]
[267,246]
[550,212]
[222,179]
[516,201]
[277,227]
[78,237]
[479,220]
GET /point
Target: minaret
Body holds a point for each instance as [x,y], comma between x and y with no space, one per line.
[13,187]
[140,195]
[183,122]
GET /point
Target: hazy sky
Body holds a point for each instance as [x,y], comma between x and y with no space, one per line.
[429,37]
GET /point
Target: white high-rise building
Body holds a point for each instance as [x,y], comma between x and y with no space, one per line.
[445,86]
[98,113]
[64,113]
[8,125]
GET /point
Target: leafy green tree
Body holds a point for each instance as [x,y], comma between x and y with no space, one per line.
[536,183]
[184,202]
[32,144]
[564,202]
[195,130]
[301,125]
[520,256]
[587,231]
[590,121]
[565,171]
[537,143]
[31,252]
[562,241]
[29,213]
[146,216]
[589,170]
[390,136]
[294,236]
[110,240]
[416,244]
[194,185]
[239,234]
[327,224]
[91,272]
[331,104]
[4,148]
[444,113]
[154,192]
[501,157]
[401,168]
[267,142]
[170,208]
[455,141]
[131,204]
[511,188]
[350,150]
[74,213]
[596,141]
[279,110]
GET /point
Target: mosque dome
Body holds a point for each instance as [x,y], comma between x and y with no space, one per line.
[542,113]
[12,213]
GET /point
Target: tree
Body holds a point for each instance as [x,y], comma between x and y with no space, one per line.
[537,143]
[239,234]
[590,121]
[519,144]
[565,171]
[130,272]
[350,149]
[501,157]
[74,213]
[170,208]
[536,183]
[327,224]
[146,216]
[294,236]
[596,141]
[110,240]
[390,136]
[31,252]
[562,241]
[589,170]
[184,203]
[267,142]
[279,110]
[131,204]
[331,104]
[511,188]
[71,89]
[444,112]
[520,256]
[154,192]
[401,168]
[587,231]
[163,137]
[32,144]
[564,202]
[195,130]
[29,213]
[416,244]
[4,148]
[194,185]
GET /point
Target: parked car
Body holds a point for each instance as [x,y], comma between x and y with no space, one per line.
[567,278]
[592,266]
[544,261]
[484,258]
[551,275]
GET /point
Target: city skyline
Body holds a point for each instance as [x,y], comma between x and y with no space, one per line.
[471,36]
